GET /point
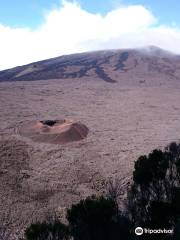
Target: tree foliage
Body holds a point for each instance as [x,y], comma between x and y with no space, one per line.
[154,197]
[47,231]
[97,219]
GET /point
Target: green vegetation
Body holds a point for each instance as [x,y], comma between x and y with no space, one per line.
[47,231]
[153,201]
[154,197]
[97,219]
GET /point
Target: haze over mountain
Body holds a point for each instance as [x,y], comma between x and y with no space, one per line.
[125,66]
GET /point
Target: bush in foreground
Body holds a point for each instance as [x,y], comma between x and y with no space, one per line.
[96,218]
[47,231]
[154,197]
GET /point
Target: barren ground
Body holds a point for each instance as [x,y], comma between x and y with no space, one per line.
[124,122]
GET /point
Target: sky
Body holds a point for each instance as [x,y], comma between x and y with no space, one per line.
[32,30]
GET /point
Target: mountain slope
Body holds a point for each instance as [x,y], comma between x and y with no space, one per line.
[110,66]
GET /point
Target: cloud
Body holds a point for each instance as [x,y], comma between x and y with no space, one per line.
[70,29]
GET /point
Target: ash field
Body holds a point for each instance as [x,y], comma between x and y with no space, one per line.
[118,105]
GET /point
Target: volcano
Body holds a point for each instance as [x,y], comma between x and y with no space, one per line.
[54,131]
[113,66]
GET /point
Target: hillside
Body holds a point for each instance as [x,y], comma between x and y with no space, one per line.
[110,66]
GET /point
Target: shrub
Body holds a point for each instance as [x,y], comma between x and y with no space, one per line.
[153,200]
[95,218]
[47,231]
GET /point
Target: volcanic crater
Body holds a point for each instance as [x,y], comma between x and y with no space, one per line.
[53,131]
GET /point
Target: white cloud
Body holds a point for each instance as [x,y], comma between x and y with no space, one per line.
[71,29]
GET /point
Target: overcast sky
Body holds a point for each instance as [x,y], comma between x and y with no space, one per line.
[32,30]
